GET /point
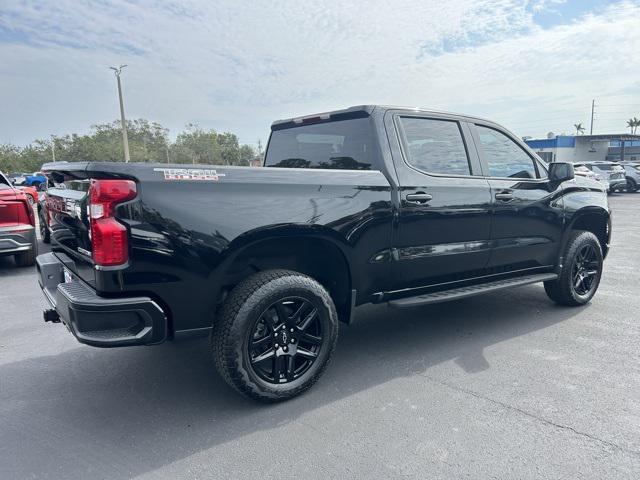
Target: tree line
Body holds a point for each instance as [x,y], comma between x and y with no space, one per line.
[148,142]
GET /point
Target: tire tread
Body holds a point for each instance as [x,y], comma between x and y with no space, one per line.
[226,334]
[560,290]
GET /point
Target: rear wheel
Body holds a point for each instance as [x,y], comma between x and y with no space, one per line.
[581,272]
[275,335]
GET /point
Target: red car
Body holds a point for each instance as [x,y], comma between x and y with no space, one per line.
[31,192]
[17,225]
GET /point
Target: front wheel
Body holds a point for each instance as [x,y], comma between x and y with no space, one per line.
[275,335]
[581,272]
[632,186]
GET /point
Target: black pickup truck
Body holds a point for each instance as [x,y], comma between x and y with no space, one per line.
[367,204]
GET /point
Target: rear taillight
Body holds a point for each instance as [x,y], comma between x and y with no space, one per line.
[109,241]
[29,217]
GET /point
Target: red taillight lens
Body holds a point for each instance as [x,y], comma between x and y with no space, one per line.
[109,193]
[109,241]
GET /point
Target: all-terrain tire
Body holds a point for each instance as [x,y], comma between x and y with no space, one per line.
[563,290]
[237,318]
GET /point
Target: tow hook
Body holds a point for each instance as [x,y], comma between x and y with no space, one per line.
[50,315]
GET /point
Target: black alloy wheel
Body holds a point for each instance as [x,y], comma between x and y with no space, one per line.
[585,270]
[580,275]
[285,340]
[274,335]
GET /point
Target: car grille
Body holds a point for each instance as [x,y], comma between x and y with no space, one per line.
[615,176]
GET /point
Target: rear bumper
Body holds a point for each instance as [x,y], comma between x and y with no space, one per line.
[16,239]
[95,320]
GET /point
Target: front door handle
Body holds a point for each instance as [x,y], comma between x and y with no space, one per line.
[418,198]
[504,196]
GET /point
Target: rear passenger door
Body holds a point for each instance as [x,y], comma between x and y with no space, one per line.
[443,226]
[526,207]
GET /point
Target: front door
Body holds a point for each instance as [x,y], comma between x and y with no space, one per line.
[443,226]
[526,209]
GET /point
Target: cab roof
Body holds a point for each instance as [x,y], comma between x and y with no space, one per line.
[360,111]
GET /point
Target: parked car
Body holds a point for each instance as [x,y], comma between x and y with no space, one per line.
[17,178]
[632,174]
[37,180]
[17,224]
[612,173]
[31,193]
[582,171]
[365,205]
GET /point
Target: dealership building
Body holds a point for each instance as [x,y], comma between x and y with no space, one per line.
[587,148]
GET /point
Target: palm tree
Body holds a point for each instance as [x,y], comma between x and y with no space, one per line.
[579,128]
[633,124]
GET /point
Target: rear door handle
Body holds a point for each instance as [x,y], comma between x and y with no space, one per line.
[504,196]
[418,198]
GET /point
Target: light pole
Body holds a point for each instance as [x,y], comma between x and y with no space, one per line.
[53,147]
[125,139]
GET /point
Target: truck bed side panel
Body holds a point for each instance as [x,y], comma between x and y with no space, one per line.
[182,230]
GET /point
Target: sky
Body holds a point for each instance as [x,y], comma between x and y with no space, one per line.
[533,66]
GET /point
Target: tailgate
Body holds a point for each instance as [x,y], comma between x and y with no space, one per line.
[71,218]
[69,225]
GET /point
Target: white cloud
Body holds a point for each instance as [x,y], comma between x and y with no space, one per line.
[238,66]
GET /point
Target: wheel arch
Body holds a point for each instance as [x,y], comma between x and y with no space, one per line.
[311,251]
[596,220]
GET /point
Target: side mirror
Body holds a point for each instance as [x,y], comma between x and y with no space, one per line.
[561,172]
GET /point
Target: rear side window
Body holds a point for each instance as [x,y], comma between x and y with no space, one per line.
[435,146]
[505,158]
[340,144]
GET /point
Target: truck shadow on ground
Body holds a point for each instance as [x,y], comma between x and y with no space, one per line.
[131,411]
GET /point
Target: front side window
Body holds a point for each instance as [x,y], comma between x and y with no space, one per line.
[339,145]
[435,146]
[505,158]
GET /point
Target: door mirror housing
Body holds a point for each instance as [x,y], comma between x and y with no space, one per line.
[561,172]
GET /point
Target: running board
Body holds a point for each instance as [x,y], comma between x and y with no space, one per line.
[462,292]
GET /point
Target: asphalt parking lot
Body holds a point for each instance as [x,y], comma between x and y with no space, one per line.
[506,385]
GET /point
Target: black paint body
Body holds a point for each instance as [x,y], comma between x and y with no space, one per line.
[187,236]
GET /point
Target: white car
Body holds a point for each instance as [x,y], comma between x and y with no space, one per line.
[582,171]
[612,173]
[632,172]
